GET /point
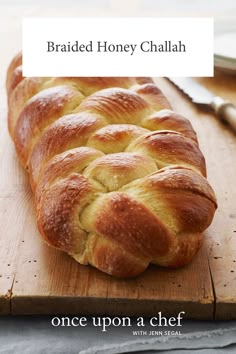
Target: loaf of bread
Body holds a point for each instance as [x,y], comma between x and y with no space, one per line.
[118,177]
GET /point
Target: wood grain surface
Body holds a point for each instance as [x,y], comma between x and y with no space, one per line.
[37,279]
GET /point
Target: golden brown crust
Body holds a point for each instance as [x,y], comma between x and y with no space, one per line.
[132,225]
[170,148]
[17,98]
[166,119]
[62,165]
[117,105]
[59,221]
[115,137]
[153,95]
[13,72]
[118,177]
[183,198]
[113,259]
[114,171]
[66,133]
[188,245]
[40,111]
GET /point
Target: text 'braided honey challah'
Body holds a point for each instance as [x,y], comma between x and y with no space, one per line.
[118,177]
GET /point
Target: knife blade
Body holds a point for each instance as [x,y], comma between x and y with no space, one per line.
[224,110]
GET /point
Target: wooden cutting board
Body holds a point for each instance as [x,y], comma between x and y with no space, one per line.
[35,279]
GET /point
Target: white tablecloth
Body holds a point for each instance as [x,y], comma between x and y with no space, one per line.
[36,335]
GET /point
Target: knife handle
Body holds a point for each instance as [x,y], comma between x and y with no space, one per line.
[225,111]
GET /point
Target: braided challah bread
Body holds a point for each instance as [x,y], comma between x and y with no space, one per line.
[118,177]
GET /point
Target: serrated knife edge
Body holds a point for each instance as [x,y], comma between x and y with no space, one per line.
[224,110]
[197,93]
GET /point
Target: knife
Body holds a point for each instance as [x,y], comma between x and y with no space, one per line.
[224,110]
